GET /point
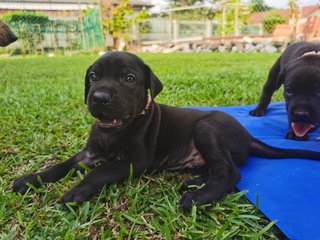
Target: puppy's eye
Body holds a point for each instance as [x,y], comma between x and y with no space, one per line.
[288,91]
[131,78]
[92,77]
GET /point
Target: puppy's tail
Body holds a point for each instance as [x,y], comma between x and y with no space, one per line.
[260,149]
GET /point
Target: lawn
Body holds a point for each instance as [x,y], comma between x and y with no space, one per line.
[44,121]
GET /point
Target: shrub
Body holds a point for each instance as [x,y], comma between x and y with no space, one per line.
[271,20]
[24,17]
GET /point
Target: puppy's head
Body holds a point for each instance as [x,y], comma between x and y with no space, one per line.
[116,89]
[6,36]
[301,81]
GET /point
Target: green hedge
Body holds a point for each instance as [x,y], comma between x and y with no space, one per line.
[24,17]
[271,20]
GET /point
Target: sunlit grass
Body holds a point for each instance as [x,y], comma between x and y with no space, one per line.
[44,121]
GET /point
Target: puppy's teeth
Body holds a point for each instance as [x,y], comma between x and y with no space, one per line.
[115,120]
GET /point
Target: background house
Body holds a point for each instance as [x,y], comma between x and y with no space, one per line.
[62,8]
[302,12]
[303,23]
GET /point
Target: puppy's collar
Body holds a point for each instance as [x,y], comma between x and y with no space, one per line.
[310,53]
[145,110]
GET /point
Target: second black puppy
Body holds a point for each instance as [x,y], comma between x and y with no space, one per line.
[132,130]
[298,69]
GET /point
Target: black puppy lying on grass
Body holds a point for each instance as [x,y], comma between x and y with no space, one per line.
[298,69]
[6,36]
[132,130]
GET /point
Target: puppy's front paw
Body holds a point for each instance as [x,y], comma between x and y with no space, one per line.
[20,184]
[78,194]
[257,112]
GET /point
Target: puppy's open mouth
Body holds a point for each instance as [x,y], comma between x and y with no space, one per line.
[105,122]
[300,129]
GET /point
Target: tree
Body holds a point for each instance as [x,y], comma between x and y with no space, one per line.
[194,14]
[140,21]
[182,3]
[232,17]
[294,15]
[117,19]
[293,10]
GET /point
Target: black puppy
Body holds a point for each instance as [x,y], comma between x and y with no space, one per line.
[6,35]
[132,130]
[298,69]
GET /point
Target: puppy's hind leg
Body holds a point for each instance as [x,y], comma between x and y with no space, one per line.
[223,173]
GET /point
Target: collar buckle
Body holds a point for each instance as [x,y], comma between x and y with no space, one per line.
[145,110]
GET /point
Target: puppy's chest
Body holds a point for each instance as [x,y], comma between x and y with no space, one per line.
[119,152]
[125,150]
[91,158]
[103,152]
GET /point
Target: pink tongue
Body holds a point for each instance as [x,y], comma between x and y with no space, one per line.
[301,129]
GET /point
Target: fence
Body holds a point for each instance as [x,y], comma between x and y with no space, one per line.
[80,28]
[162,29]
[229,20]
[92,30]
[52,26]
[56,34]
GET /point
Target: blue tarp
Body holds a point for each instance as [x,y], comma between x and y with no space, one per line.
[288,189]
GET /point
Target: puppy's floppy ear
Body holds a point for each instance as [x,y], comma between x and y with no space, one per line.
[153,82]
[86,85]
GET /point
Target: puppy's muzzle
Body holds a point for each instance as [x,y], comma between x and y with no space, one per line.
[301,122]
[102,98]
[103,110]
[301,116]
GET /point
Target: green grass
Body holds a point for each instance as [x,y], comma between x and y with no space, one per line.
[44,121]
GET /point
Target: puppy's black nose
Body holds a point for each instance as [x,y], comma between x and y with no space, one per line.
[101,97]
[301,116]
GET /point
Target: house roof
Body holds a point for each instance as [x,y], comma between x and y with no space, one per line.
[61,4]
[258,17]
[305,11]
